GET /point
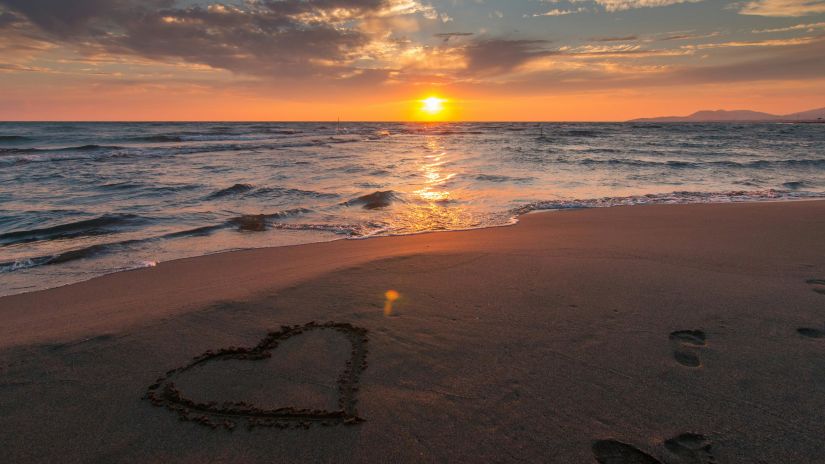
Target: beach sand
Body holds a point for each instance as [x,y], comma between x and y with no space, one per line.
[674,334]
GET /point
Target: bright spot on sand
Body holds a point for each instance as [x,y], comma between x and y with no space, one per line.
[433,105]
[391,296]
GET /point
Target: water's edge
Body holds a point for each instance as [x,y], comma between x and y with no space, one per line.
[598,204]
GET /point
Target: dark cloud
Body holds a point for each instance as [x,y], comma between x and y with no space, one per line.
[490,56]
[66,18]
[269,37]
[451,35]
[8,19]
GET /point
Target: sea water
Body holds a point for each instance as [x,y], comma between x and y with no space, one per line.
[78,200]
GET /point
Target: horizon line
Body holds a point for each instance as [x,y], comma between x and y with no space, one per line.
[310,121]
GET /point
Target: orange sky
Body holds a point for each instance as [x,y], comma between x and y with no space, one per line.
[376,59]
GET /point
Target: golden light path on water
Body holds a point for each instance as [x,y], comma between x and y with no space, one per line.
[433,170]
[434,206]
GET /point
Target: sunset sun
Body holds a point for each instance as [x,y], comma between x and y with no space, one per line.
[434,108]
[432,105]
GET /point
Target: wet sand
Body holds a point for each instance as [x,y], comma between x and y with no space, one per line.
[673,334]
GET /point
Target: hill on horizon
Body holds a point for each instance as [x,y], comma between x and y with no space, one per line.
[739,115]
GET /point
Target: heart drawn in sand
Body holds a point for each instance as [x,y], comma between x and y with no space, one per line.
[164,393]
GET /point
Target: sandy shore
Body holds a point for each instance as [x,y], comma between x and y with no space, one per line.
[673,334]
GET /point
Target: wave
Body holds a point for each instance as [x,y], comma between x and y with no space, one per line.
[795,185]
[106,224]
[64,257]
[499,178]
[234,190]
[375,200]
[668,198]
[102,153]
[256,223]
[14,138]
[288,213]
[578,133]
[141,189]
[81,148]
[90,147]
[281,131]
[119,186]
[261,222]
[428,131]
[226,134]
[196,232]
[15,151]
[696,164]
[249,190]
[282,191]
[349,230]
[159,138]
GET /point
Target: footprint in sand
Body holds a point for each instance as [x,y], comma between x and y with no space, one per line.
[687,448]
[818,285]
[685,346]
[811,333]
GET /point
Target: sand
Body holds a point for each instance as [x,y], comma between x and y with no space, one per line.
[672,334]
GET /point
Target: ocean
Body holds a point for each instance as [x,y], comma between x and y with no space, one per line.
[79,200]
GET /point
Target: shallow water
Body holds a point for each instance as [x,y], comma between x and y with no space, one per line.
[79,200]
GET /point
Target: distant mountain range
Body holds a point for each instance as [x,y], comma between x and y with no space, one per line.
[817,115]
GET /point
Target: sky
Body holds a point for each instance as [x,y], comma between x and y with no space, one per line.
[365,60]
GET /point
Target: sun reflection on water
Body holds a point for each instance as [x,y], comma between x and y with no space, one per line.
[433,171]
[436,207]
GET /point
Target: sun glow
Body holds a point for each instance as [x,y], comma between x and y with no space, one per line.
[432,105]
[434,108]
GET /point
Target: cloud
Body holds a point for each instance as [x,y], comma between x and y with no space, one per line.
[558,12]
[619,51]
[757,43]
[626,38]
[610,6]
[271,38]
[63,18]
[688,36]
[495,56]
[8,19]
[801,61]
[622,5]
[322,46]
[566,73]
[5,67]
[447,36]
[810,27]
[782,8]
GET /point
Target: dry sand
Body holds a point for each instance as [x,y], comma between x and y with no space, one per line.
[673,334]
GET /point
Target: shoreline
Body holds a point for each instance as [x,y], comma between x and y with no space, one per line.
[690,333]
[121,277]
[517,214]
